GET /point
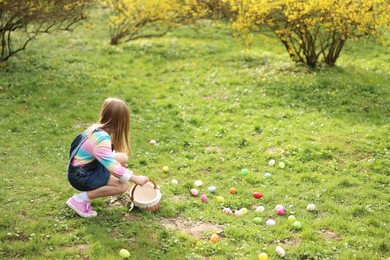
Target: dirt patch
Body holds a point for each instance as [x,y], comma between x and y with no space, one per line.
[193,229]
[118,202]
[329,234]
[291,242]
[213,149]
[178,198]
[81,249]
[131,217]
[274,151]
[22,213]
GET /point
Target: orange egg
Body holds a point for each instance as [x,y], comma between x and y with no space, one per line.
[214,238]
[232,190]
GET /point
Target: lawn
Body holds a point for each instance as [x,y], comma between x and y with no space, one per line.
[214,108]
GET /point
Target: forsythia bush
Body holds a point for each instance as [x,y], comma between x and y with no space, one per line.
[312,30]
[134,19]
[28,18]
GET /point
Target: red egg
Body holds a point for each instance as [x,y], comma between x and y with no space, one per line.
[257,195]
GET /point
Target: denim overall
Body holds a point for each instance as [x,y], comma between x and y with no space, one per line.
[87,177]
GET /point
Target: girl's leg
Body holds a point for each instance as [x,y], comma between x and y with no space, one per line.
[113,187]
[122,158]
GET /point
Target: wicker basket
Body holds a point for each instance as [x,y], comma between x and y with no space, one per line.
[146,197]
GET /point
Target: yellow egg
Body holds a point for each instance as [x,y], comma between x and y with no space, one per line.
[220,199]
[124,253]
[244,211]
[263,256]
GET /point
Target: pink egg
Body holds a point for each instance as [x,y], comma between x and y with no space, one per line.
[279,207]
[280,211]
[152,142]
[194,192]
[203,198]
[238,213]
[227,211]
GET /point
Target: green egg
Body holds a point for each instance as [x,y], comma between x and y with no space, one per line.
[257,220]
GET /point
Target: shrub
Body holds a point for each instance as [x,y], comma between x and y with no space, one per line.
[135,19]
[22,20]
[313,30]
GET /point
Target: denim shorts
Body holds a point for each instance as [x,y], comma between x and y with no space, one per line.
[90,177]
[87,177]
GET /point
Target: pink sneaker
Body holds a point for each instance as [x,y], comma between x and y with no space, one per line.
[84,208]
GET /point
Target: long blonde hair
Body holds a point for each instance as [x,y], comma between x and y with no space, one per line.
[115,120]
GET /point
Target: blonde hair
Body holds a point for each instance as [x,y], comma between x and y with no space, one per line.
[115,120]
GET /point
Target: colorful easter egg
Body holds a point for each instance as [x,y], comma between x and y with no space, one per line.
[280,251]
[291,219]
[297,225]
[311,207]
[227,211]
[220,199]
[194,192]
[270,222]
[260,209]
[244,172]
[257,195]
[198,183]
[212,189]
[271,162]
[257,220]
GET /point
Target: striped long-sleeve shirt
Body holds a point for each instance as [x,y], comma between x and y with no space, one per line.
[98,146]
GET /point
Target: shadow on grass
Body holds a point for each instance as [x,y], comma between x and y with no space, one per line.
[351,94]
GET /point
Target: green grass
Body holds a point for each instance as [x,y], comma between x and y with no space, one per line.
[191,90]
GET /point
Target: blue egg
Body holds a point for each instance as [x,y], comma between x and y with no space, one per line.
[268,175]
[212,189]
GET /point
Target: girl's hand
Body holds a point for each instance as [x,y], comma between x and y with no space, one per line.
[139,180]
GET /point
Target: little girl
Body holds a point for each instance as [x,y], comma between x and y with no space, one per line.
[98,159]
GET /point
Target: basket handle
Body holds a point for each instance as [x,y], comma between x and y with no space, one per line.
[132,192]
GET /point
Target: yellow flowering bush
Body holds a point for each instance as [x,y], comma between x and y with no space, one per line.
[133,19]
[312,30]
[28,18]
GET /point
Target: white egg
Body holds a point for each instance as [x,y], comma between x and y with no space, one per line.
[260,209]
[311,207]
[280,251]
[198,183]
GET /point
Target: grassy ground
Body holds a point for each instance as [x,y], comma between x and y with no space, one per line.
[214,108]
